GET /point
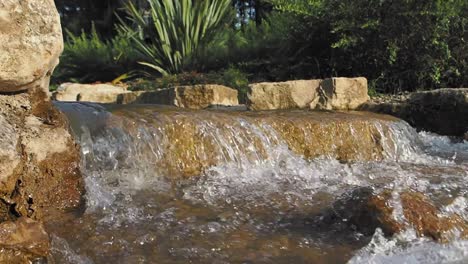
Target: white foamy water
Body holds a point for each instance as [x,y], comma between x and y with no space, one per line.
[406,248]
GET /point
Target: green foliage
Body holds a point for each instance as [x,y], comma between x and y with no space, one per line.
[88,58]
[238,80]
[399,45]
[170,33]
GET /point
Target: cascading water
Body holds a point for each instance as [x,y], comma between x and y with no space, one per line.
[167,185]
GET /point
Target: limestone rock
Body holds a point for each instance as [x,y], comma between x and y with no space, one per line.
[193,97]
[343,93]
[9,156]
[30,43]
[96,93]
[23,241]
[443,111]
[284,95]
[367,211]
[43,176]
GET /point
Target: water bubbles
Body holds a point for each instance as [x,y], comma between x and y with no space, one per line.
[251,194]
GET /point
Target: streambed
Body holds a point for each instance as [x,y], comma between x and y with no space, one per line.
[257,190]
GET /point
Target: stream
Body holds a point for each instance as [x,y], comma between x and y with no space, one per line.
[167,185]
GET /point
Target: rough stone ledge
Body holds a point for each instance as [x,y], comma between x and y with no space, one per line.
[443,111]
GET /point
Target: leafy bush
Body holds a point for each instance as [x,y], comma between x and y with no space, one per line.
[236,79]
[171,32]
[88,58]
[399,45]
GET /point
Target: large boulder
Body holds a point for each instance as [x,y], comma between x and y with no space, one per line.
[443,111]
[193,97]
[30,43]
[96,93]
[284,95]
[343,93]
[39,165]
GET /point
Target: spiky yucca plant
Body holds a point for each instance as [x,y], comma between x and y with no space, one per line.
[170,32]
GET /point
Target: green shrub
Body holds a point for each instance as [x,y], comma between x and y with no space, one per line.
[234,78]
[88,58]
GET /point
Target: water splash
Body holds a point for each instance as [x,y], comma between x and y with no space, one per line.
[246,168]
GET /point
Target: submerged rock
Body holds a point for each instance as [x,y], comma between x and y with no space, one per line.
[395,212]
[30,43]
[23,241]
[183,143]
[96,93]
[443,111]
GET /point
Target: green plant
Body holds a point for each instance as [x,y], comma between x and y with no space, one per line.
[88,58]
[234,78]
[170,33]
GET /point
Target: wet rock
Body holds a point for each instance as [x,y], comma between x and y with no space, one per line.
[190,142]
[394,212]
[23,241]
[442,111]
[343,93]
[30,43]
[193,97]
[96,93]
[40,174]
[284,95]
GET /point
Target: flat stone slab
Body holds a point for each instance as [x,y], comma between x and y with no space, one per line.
[193,97]
[329,94]
[298,94]
[96,93]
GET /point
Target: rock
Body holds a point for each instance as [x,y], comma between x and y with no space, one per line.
[443,111]
[193,97]
[23,241]
[9,156]
[43,176]
[191,142]
[394,212]
[284,95]
[343,93]
[30,43]
[96,93]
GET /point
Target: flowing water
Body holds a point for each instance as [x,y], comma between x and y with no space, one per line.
[167,185]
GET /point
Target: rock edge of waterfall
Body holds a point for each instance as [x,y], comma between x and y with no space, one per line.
[443,111]
[39,159]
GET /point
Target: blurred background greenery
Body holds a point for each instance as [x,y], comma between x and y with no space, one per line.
[399,45]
